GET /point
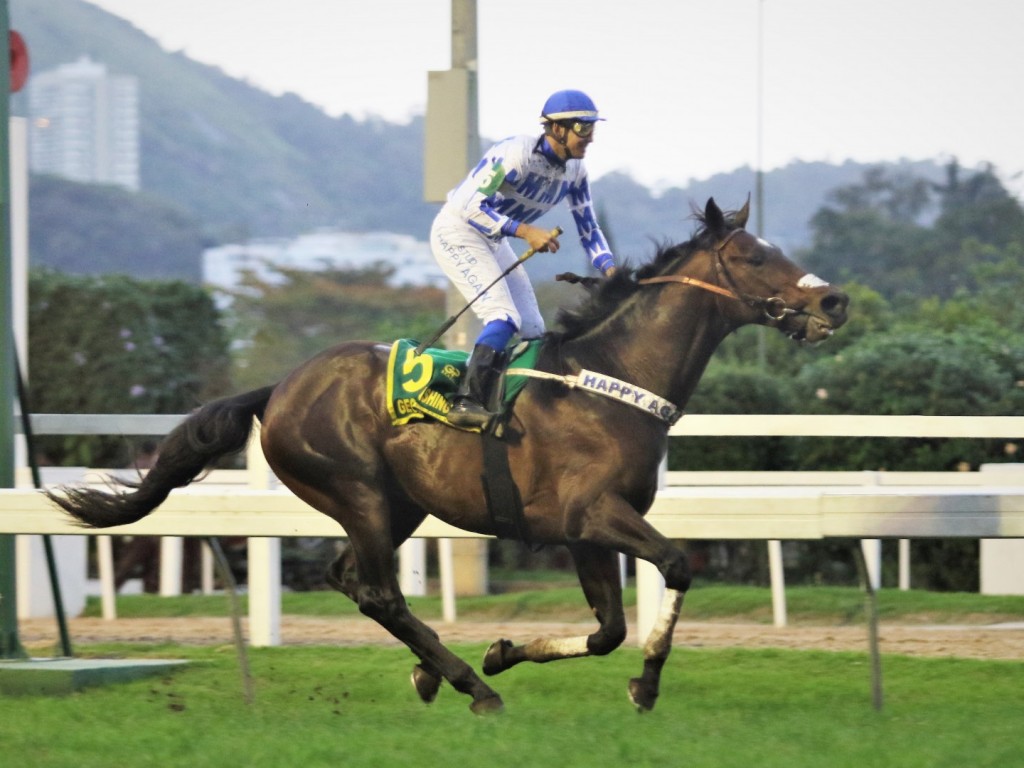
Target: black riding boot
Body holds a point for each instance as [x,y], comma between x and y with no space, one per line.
[469,406]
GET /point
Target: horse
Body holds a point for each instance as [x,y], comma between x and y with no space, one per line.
[586,466]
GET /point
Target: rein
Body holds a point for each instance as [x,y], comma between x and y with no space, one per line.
[773,307]
[689,281]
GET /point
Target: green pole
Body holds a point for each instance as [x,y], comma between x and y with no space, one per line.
[10,646]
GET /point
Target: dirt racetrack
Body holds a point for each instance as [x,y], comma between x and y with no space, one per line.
[985,641]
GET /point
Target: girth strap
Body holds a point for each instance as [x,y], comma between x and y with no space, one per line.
[504,503]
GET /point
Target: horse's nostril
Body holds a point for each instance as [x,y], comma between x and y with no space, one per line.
[834,304]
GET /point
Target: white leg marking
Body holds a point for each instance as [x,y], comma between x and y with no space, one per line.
[559,648]
[671,604]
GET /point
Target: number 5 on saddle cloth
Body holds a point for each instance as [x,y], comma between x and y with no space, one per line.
[420,386]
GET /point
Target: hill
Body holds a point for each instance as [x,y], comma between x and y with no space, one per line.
[98,229]
[243,162]
[224,161]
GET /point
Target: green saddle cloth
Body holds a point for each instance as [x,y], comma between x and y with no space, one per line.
[421,386]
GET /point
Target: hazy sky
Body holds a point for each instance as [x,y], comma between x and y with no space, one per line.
[677,79]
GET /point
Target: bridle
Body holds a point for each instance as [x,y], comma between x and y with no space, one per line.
[774,307]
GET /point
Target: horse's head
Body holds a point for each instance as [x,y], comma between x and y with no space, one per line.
[762,285]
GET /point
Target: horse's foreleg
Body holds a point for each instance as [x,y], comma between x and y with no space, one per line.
[598,571]
[675,568]
[614,523]
[643,690]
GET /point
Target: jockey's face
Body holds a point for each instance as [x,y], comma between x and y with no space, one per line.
[572,139]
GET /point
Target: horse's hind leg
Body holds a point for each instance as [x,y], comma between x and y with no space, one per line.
[342,575]
[379,597]
[643,690]
[598,571]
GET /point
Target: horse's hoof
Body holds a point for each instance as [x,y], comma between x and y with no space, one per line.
[489,705]
[494,658]
[426,684]
[641,695]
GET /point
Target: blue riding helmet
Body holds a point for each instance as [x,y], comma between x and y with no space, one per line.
[569,105]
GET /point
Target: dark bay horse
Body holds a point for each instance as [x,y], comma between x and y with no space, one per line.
[586,466]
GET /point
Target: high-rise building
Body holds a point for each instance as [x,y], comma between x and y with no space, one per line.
[84,124]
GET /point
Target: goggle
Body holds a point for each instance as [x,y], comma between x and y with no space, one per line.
[581,129]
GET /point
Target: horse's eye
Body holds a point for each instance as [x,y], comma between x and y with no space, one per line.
[757,257]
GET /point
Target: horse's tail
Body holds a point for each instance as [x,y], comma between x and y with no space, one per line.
[217,429]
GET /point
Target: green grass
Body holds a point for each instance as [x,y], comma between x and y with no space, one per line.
[318,706]
[805,605]
[354,706]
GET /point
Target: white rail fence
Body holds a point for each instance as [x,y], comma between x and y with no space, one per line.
[771,506]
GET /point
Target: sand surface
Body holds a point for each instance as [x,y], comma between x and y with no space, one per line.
[987,641]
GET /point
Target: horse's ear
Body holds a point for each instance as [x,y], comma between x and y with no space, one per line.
[714,219]
[739,219]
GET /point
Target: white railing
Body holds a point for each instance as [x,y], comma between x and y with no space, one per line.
[795,425]
[769,506]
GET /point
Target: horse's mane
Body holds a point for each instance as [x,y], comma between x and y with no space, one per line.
[609,294]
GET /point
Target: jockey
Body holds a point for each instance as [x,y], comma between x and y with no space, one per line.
[518,180]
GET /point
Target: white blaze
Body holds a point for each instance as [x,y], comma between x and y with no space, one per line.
[811,281]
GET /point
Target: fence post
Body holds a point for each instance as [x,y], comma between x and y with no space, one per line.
[873,560]
[904,547]
[412,567]
[445,562]
[172,550]
[264,560]
[650,584]
[650,590]
[777,576]
[108,588]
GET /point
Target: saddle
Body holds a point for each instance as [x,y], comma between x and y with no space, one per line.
[420,386]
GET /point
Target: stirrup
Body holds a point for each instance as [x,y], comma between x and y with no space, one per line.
[466,412]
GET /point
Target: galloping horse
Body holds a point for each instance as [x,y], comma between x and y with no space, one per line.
[586,466]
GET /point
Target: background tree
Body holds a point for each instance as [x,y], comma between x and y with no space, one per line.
[871,232]
[976,206]
[278,323]
[113,344]
[735,389]
[905,236]
[917,372]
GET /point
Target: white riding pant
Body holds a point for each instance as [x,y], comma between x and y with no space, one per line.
[472,262]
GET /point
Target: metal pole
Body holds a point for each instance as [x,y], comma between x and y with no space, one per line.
[464,57]
[759,189]
[762,341]
[37,482]
[871,609]
[10,645]
[466,569]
